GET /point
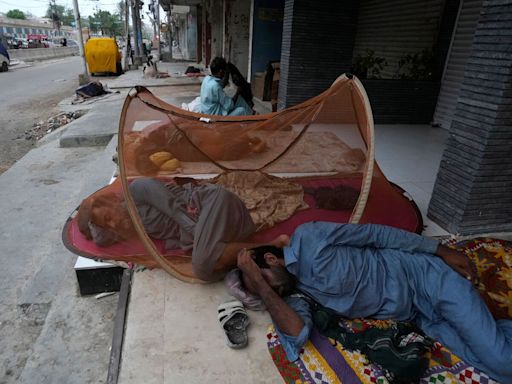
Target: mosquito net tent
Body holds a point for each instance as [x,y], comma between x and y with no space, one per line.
[279,165]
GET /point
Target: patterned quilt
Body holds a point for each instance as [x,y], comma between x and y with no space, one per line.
[324,361]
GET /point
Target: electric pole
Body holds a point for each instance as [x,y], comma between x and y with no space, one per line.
[157,20]
[139,23]
[84,77]
[127,44]
[170,32]
[136,59]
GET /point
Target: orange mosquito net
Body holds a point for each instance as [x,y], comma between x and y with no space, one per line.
[328,135]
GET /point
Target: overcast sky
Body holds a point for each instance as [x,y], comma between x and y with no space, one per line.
[39,7]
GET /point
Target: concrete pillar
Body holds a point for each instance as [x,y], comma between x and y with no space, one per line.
[191,33]
[216,20]
[317,44]
[473,190]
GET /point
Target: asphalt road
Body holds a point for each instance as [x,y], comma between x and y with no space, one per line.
[29,95]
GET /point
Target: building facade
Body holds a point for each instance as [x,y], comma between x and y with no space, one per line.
[442,62]
[17,28]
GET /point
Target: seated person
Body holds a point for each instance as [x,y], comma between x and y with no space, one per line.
[378,272]
[243,87]
[207,219]
[214,100]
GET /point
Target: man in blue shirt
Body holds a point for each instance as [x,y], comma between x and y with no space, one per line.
[214,100]
[383,273]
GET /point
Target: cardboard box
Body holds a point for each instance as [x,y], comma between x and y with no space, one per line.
[258,85]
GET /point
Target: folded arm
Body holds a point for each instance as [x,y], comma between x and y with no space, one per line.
[292,317]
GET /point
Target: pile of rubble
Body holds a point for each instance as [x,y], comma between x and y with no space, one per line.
[42,127]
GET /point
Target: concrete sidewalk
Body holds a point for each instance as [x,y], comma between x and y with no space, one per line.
[48,332]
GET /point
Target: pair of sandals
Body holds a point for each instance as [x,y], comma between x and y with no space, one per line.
[234,321]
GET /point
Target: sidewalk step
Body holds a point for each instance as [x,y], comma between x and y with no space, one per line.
[96,128]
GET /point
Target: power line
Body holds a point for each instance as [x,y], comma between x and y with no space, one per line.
[22,6]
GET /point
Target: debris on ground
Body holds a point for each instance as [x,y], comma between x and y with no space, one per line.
[42,128]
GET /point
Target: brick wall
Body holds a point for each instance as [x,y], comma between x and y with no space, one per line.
[317,45]
[473,190]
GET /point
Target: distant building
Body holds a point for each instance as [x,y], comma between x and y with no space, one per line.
[17,28]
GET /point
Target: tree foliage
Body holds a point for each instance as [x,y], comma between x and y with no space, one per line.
[106,23]
[61,14]
[16,14]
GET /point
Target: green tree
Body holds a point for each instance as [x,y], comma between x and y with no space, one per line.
[106,23]
[16,14]
[121,11]
[59,13]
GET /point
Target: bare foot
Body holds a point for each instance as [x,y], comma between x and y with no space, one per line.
[281,241]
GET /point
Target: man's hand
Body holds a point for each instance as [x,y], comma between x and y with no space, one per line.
[192,212]
[458,261]
[283,316]
[249,268]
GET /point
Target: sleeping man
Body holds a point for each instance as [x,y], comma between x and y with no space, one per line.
[207,219]
[378,272]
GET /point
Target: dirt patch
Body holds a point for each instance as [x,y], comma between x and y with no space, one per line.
[17,121]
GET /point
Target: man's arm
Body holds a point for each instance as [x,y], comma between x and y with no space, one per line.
[224,100]
[381,236]
[458,261]
[377,236]
[284,317]
[291,317]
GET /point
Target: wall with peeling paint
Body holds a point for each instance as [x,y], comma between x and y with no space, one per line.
[236,33]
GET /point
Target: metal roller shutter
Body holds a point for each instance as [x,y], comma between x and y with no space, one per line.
[392,28]
[460,50]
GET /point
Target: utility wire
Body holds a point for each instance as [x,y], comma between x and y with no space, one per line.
[24,6]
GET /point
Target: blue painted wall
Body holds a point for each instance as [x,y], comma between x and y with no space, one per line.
[267,33]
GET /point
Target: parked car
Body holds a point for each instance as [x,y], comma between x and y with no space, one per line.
[103,56]
[9,41]
[4,59]
[72,43]
[22,43]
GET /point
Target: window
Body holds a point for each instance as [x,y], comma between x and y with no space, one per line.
[19,30]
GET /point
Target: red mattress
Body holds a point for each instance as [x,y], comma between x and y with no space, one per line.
[386,205]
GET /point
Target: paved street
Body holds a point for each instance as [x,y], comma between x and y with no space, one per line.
[29,95]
